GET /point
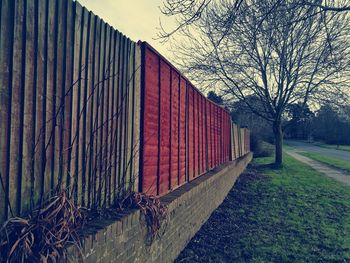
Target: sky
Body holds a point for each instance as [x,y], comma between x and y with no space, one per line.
[138,19]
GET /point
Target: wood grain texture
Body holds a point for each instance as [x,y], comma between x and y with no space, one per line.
[70,106]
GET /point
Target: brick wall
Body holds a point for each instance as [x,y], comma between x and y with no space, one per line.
[122,239]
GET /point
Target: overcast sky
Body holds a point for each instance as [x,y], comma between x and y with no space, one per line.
[138,19]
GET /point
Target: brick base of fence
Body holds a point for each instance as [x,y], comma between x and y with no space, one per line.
[123,239]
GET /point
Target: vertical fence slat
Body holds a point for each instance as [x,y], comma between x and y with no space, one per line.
[117,48]
[89,101]
[212,157]
[183,109]
[65,97]
[203,152]
[127,127]
[136,116]
[100,127]
[214,123]
[221,130]
[202,134]
[125,115]
[206,130]
[119,108]
[130,121]
[50,97]
[82,116]
[187,176]
[197,135]
[16,137]
[174,149]
[209,135]
[178,90]
[224,142]
[190,141]
[29,110]
[111,116]
[104,114]
[164,127]
[95,125]
[72,176]
[69,87]
[121,119]
[6,52]
[195,132]
[170,120]
[60,94]
[90,118]
[39,140]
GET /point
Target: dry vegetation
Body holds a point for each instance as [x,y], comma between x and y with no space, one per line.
[45,236]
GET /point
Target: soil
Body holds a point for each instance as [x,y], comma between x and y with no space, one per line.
[219,238]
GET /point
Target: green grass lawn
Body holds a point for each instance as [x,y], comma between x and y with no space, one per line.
[291,215]
[340,164]
[333,146]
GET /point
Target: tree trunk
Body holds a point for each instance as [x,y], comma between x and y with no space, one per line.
[278,133]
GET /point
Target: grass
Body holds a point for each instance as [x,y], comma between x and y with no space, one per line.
[336,163]
[333,146]
[295,214]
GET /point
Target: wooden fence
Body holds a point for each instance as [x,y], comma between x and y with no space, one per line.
[184,134]
[77,114]
[69,105]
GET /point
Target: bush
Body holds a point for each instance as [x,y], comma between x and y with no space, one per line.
[262,149]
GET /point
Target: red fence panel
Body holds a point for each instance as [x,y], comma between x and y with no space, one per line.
[184,133]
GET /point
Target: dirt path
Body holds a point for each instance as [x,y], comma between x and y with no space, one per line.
[323,168]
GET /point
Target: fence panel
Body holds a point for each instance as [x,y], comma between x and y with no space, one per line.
[184,134]
[70,106]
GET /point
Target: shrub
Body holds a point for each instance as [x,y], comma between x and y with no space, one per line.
[262,149]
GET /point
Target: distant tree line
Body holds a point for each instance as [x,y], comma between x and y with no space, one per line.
[329,123]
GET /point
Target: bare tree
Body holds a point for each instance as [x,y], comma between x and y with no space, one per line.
[295,54]
[187,12]
[329,5]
